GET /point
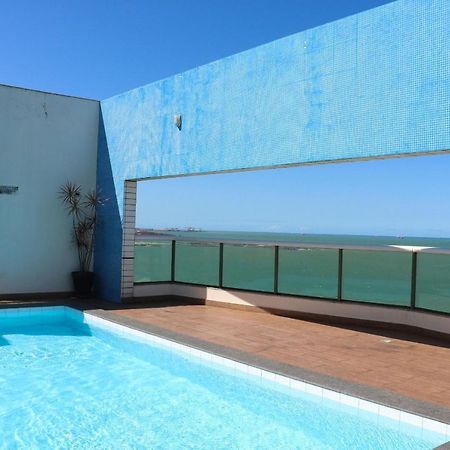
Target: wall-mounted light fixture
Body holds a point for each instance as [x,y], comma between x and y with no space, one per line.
[8,189]
[177,121]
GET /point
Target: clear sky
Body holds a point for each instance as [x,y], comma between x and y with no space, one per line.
[98,48]
[407,196]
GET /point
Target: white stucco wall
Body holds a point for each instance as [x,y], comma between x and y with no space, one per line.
[45,140]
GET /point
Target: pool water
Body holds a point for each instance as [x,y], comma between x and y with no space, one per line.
[67,385]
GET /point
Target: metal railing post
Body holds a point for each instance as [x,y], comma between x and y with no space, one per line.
[221,264]
[275,271]
[413,279]
[340,261]
[172,274]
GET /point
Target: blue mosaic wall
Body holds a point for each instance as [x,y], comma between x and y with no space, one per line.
[372,85]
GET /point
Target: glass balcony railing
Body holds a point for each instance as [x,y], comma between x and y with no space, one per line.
[308,272]
[433,282]
[381,275]
[377,277]
[197,263]
[153,262]
[248,267]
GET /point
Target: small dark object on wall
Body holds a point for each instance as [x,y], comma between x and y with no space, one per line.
[177,121]
[8,189]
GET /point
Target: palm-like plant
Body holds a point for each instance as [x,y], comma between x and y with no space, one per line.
[83,210]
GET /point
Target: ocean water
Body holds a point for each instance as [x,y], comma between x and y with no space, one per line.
[66,385]
[334,239]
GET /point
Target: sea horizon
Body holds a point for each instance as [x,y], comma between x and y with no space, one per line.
[143,234]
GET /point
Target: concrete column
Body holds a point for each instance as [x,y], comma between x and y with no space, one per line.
[129,224]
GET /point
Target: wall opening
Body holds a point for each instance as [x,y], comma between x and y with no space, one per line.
[302,231]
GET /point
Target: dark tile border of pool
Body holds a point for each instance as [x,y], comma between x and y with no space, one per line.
[386,398]
[369,393]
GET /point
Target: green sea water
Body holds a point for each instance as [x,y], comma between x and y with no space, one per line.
[368,276]
[334,239]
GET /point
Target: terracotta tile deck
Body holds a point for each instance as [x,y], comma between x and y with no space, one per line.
[413,369]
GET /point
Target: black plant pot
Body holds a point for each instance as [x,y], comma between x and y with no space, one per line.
[83,282]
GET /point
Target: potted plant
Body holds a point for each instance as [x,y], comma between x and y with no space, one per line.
[83,210]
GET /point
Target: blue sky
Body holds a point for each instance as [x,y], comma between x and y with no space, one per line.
[407,196]
[99,48]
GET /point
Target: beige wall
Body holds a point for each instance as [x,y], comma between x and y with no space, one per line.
[45,140]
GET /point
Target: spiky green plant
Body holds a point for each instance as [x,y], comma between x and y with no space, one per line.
[83,210]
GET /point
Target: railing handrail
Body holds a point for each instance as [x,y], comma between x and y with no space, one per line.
[305,245]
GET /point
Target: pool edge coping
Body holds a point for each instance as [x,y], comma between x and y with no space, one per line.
[350,393]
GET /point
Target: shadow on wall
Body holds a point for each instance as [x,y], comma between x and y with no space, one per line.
[108,240]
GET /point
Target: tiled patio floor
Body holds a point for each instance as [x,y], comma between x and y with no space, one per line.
[417,370]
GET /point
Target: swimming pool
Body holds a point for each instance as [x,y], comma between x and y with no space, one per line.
[73,380]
